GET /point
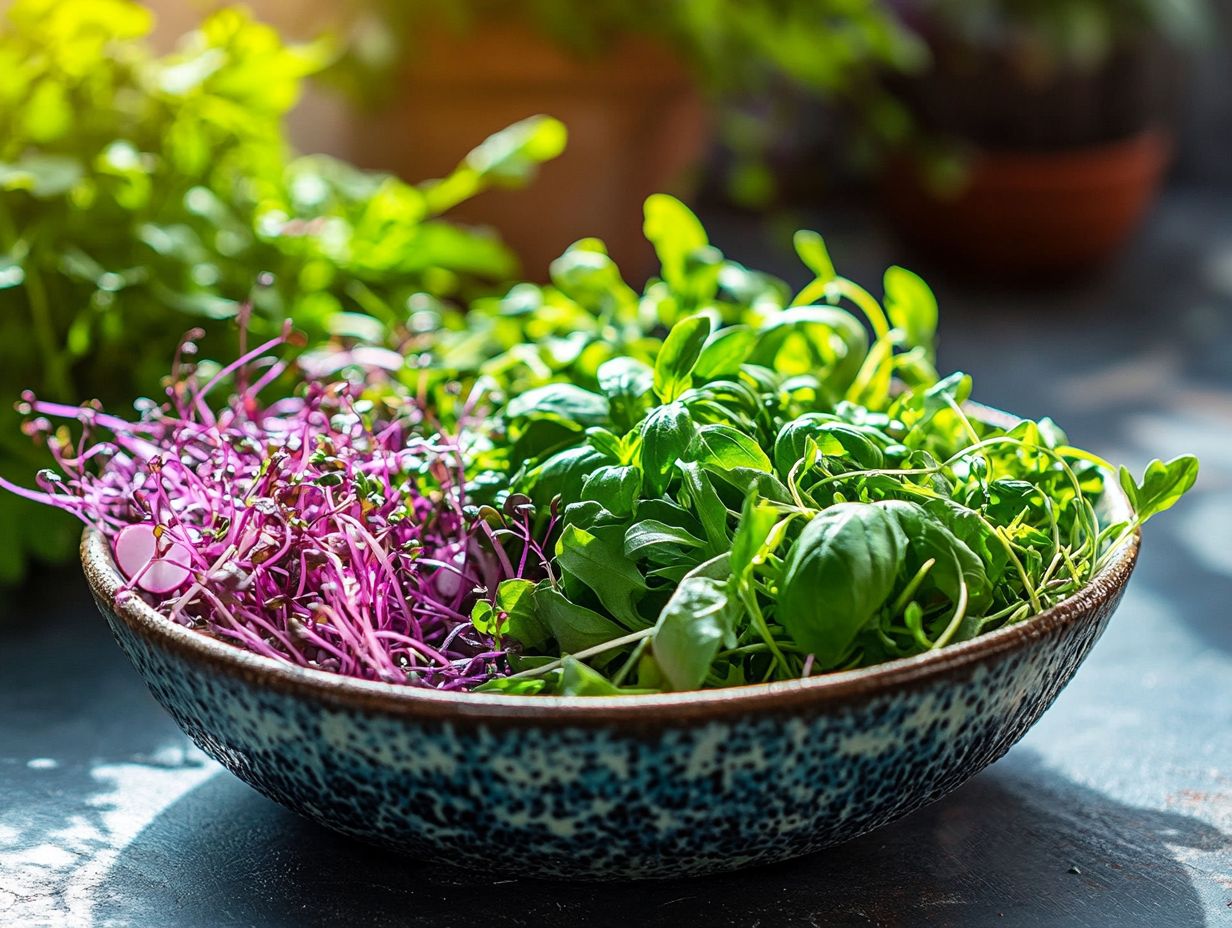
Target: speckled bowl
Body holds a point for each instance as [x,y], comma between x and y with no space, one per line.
[612,788]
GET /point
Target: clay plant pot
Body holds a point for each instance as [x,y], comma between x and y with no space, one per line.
[1031,212]
[637,125]
[1061,161]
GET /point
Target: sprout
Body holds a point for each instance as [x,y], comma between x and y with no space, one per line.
[323,530]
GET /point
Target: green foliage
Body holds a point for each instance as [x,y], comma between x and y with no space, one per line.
[853,552]
[780,495]
[142,195]
[733,45]
[1068,33]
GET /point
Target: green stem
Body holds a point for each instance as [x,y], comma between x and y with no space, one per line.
[631,662]
[588,652]
[909,591]
[959,613]
[763,628]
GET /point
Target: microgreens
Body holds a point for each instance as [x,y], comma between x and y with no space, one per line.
[326,530]
[708,484]
[770,494]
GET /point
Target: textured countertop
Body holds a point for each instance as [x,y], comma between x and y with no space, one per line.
[1116,810]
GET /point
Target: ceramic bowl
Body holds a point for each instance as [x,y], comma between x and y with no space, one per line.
[612,788]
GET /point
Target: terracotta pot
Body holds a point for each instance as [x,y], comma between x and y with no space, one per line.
[1026,212]
[636,121]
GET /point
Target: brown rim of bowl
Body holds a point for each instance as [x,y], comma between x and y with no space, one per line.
[626,711]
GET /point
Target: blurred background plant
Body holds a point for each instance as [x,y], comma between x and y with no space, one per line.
[642,84]
[143,194]
[1040,129]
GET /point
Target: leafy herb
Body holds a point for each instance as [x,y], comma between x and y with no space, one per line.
[772,494]
[607,515]
[141,194]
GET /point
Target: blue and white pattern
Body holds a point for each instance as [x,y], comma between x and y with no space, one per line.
[676,786]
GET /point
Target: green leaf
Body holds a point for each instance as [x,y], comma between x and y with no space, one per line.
[700,494]
[928,538]
[912,308]
[508,158]
[832,438]
[1162,485]
[683,346]
[574,628]
[563,401]
[811,248]
[605,442]
[756,522]
[516,612]
[561,475]
[514,686]
[513,153]
[674,231]
[627,383]
[644,538]
[967,526]
[666,435]
[838,575]
[591,278]
[724,352]
[616,487]
[723,448]
[577,679]
[825,341]
[540,438]
[605,569]
[695,623]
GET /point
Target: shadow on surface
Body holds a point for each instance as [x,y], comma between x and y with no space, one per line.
[1017,846]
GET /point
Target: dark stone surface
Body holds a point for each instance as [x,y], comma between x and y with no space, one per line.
[1115,811]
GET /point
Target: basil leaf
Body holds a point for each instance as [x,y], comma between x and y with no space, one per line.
[627,383]
[514,686]
[683,346]
[756,523]
[674,231]
[698,491]
[666,435]
[513,614]
[723,448]
[561,475]
[694,624]
[724,352]
[645,537]
[577,679]
[838,575]
[616,487]
[912,308]
[806,339]
[832,438]
[811,248]
[927,538]
[562,401]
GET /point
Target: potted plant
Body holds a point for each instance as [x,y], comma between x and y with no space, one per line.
[146,194]
[1041,128]
[635,81]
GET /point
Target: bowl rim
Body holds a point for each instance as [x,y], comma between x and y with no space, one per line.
[634,711]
